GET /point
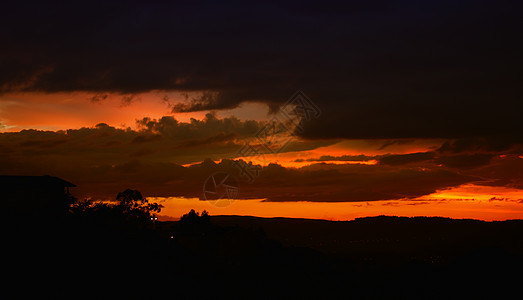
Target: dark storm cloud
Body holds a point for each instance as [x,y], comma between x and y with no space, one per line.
[113,172]
[506,170]
[104,160]
[395,142]
[349,183]
[344,183]
[433,159]
[401,69]
[166,138]
[210,126]
[487,144]
[465,161]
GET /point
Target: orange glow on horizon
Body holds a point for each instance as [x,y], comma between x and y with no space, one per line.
[467,201]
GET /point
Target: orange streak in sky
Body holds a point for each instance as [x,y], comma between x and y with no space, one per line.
[60,111]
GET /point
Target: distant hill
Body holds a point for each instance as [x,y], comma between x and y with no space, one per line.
[429,239]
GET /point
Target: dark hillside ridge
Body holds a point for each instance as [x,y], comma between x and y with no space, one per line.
[405,238]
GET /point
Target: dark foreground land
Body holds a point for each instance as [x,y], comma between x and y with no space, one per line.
[89,256]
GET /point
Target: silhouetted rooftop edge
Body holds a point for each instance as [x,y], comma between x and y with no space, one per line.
[6,180]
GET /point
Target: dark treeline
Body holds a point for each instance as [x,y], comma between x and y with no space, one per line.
[118,249]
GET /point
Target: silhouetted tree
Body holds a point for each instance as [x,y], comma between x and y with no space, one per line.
[193,221]
[133,204]
[205,218]
[129,196]
[130,207]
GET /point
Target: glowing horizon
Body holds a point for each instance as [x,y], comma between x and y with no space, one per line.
[464,202]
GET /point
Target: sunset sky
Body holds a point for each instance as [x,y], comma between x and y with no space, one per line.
[416,105]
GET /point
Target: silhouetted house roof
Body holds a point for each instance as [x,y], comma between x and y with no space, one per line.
[33,192]
[46,180]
